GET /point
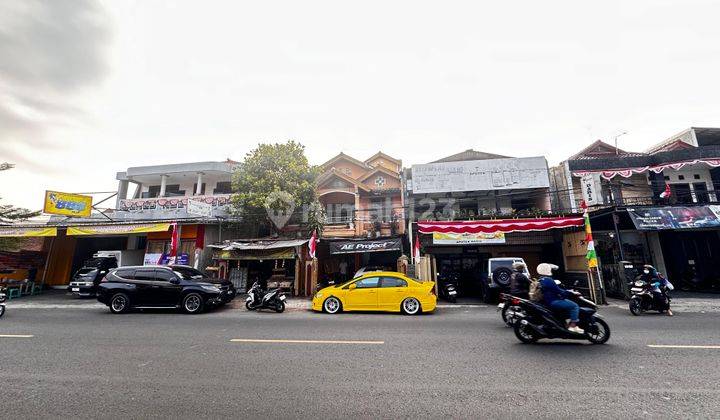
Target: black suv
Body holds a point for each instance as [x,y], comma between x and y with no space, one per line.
[174,286]
[86,279]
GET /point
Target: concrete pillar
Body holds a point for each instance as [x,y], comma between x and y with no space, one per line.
[121,193]
[163,185]
[198,189]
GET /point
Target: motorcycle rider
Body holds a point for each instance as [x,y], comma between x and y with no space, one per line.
[651,276]
[555,296]
[519,282]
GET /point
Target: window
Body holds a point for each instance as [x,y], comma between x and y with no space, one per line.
[145,274]
[667,178]
[393,282]
[368,283]
[701,193]
[681,177]
[380,181]
[223,188]
[164,275]
[126,273]
[188,273]
[202,189]
[696,176]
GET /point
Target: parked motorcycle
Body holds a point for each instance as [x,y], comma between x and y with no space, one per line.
[537,321]
[509,308]
[3,298]
[260,299]
[642,299]
[449,286]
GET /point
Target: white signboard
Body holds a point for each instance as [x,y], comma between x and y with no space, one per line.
[591,189]
[468,238]
[481,175]
[199,208]
[152,259]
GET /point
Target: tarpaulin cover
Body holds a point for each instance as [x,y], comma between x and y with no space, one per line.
[24,232]
[118,229]
[500,225]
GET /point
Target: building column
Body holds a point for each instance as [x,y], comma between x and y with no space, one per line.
[163,185]
[121,193]
[198,188]
[358,222]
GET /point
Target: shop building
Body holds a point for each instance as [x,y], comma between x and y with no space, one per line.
[655,207]
[365,224]
[473,206]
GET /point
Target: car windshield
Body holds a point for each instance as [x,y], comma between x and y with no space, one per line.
[187,273]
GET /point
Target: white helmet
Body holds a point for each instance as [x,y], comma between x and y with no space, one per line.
[546,269]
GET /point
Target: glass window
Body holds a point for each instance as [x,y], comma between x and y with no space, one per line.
[164,275]
[148,275]
[188,273]
[393,282]
[126,273]
[223,187]
[368,283]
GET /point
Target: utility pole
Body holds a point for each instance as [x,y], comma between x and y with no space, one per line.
[617,150]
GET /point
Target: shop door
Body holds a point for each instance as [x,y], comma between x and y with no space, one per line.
[365,296]
[690,259]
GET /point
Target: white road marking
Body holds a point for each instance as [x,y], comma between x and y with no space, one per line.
[16,336]
[279,341]
[673,346]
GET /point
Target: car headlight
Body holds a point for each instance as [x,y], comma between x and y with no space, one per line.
[318,295]
[211,289]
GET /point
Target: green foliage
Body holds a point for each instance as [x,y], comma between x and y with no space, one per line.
[273,176]
[10,214]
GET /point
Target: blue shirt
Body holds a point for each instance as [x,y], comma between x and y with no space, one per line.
[551,291]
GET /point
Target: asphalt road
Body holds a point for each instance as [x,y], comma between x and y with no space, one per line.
[459,363]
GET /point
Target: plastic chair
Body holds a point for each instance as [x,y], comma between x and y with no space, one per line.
[35,289]
[13,292]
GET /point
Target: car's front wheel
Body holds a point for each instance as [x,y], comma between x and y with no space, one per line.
[119,303]
[193,303]
[410,306]
[332,305]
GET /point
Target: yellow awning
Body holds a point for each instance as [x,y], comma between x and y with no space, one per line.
[25,232]
[117,229]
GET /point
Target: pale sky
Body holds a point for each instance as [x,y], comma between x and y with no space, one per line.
[88,89]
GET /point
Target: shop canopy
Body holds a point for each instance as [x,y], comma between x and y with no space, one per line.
[26,231]
[117,229]
[628,172]
[500,225]
[258,250]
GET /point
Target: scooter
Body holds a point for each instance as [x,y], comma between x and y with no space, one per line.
[643,300]
[3,298]
[260,299]
[509,308]
[448,289]
[537,321]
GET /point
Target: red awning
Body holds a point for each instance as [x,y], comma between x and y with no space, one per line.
[502,225]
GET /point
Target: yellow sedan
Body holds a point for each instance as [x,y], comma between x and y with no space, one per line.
[378,291]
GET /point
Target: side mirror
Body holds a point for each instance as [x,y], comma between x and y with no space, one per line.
[352,286]
[175,281]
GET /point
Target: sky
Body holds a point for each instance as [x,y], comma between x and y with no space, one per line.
[90,88]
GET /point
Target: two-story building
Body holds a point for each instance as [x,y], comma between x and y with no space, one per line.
[652,207]
[364,207]
[473,206]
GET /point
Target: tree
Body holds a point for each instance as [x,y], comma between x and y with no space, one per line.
[10,214]
[274,183]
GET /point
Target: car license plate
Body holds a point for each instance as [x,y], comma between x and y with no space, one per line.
[636,290]
[282,298]
[452,293]
[75,289]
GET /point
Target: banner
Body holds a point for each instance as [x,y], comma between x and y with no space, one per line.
[66,204]
[117,229]
[26,232]
[591,188]
[378,245]
[667,218]
[199,208]
[449,238]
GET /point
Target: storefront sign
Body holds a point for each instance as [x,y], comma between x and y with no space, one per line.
[25,232]
[199,208]
[152,259]
[591,188]
[480,175]
[664,218]
[440,238]
[349,247]
[66,204]
[117,229]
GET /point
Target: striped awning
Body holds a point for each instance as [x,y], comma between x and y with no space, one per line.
[500,225]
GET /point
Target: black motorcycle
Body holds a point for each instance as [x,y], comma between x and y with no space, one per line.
[448,287]
[642,299]
[510,309]
[260,299]
[3,298]
[537,321]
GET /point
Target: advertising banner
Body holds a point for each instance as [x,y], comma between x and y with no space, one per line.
[665,218]
[440,238]
[480,175]
[377,245]
[117,229]
[26,232]
[66,204]
[591,188]
[199,208]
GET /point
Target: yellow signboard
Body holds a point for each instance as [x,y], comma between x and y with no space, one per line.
[66,204]
[26,232]
[117,229]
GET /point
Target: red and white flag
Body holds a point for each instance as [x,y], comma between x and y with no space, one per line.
[416,249]
[312,246]
[667,193]
[174,241]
